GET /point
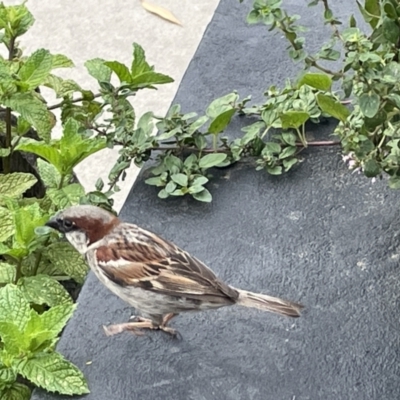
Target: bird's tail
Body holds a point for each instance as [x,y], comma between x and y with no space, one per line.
[268,303]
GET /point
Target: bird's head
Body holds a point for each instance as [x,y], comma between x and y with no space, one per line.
[83,225]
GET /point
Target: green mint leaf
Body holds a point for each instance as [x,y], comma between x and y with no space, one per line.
[46,151]
[6,224]
[53,373]
[274,170]
[15,184]
[17,391]
[7,271]
[7,376]
[14,340]
[67,196]
[34,111]
[139,64]
[67,260]
[148,79]
[60,61]
[98,69]
[120,70]
[42,289]
[48,173]
[36,68]
[26,219]
[17,19]
[14,307]
[57,317]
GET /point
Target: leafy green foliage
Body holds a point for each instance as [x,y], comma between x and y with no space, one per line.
[43,289]
[15,391]
[66,153]
[370,74]
[15,184]
[54,373]
[34,305]
[67,261]
[28,346]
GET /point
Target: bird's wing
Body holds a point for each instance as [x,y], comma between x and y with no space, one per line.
[146,260]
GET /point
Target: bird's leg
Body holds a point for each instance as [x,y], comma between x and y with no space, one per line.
[140,323]
[138,318]
[167,318]
[134,327]
[167,329]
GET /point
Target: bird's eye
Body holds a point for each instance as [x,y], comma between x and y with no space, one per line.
[68,225]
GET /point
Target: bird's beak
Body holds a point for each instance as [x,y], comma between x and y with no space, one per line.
[54,223]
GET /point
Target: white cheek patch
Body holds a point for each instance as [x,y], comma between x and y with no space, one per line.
[78,240]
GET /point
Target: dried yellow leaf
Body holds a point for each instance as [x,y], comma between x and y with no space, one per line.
[160,11]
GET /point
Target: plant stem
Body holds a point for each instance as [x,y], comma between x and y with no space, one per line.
[39,257]
[194,149]
[60,185]
[265,132]
[321,143]
[112,183]
[382,141]
[334,26]
[321,68]
[303,131]
[301,136]
[18,272]
[99,131]
[77,100]
[8,139]
[215,143]
[223,150]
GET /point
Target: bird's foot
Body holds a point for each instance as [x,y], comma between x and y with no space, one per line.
[138,318]
[139,323]
[133,327]
[173,332]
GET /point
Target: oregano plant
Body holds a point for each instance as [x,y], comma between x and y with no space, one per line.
[369,75]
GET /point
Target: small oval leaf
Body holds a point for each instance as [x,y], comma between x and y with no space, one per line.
[211,160]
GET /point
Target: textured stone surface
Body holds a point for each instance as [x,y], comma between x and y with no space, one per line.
[320,235]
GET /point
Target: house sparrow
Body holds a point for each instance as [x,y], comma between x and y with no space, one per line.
[151,274]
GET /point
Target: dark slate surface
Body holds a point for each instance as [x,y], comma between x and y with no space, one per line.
[321,235]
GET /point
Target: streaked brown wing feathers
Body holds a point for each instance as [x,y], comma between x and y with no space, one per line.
[163,268]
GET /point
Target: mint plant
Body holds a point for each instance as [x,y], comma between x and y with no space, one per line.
[34,263]
[27,348]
